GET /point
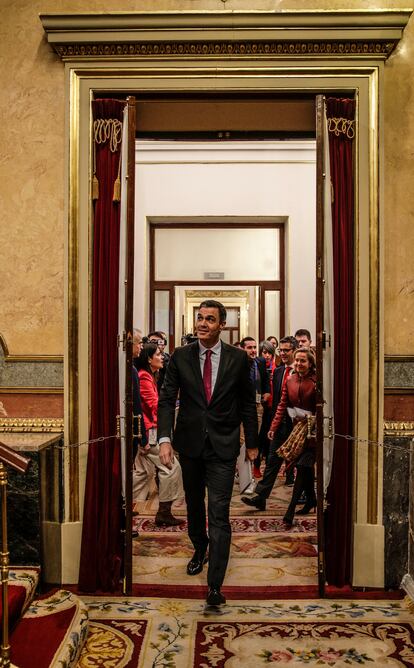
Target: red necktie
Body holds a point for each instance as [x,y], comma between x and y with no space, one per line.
[207,374]
[286,375]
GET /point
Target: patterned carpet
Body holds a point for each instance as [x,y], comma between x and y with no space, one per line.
[171,627]
[264,555]
[151,633]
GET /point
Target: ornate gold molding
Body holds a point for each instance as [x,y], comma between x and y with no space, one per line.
[192,294]
[31,390]
[398,390]
[242,34]
[131,50]
[34,425]
[399,428]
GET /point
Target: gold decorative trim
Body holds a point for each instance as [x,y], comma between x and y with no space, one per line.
[243,49]
[398,390]
[374,424]
[31,390]
[192,294]
[399,428]
[35,425]
[399,358]
[27,358]
[72,408]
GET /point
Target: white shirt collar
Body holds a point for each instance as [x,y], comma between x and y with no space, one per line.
[215,349]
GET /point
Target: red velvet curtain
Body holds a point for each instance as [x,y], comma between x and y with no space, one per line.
[101,552]
[341,126]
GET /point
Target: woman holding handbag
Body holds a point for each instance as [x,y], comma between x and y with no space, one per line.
[299,399]
[149,363]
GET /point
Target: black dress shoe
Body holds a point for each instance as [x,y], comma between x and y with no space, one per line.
[215,597]
[196,563]
[255,501]
[307,508]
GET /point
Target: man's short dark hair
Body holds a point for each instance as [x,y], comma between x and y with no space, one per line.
[211,303]
[244,341]
[291,340]
[158,335]
[303,332]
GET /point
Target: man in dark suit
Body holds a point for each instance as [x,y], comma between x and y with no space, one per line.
[215,396]
[258,373]
[261,382]
[287,347]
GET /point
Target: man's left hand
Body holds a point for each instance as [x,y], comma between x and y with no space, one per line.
[252,453]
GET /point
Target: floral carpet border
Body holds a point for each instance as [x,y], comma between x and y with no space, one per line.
[185,632]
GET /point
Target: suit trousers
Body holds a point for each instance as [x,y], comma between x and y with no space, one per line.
[217,475]
[274,462]
[171,485]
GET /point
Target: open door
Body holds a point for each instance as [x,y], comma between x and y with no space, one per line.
[125,323]
[320,333]
[324,328]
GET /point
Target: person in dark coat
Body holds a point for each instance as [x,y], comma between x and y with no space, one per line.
[212,380]
[287,348]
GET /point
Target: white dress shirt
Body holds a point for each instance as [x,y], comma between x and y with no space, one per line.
[215,360]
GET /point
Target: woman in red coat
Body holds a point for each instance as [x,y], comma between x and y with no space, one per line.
[299,391]
[170,479]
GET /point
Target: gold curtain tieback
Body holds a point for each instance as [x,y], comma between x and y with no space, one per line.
[107,129]
[341,126]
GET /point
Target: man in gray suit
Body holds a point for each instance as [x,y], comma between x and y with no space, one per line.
[212,380]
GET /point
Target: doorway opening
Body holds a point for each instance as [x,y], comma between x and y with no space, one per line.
[223,196]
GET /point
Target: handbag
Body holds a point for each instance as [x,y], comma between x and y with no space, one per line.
[296,442]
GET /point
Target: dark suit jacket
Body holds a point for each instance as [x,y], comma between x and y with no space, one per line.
[232,402]
[278,374]
[264,376]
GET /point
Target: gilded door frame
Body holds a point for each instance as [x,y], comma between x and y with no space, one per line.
[89,70]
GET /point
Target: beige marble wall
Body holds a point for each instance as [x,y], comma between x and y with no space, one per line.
[399,200]
[32,169]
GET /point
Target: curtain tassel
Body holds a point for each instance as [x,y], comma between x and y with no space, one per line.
[95,187]
[117,185]
[117,190]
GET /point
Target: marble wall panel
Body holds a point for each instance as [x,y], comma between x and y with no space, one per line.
[33,498]
[32,405]
[411,516]
[33,168]
[397,491]
[399,407]
[399,374]
[24,514]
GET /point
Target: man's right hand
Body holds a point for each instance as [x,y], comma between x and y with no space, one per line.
[166,454]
